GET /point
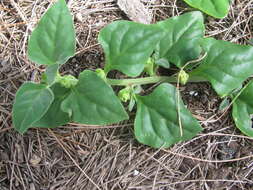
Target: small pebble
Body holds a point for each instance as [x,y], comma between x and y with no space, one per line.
[136,172]
[79,17]
[193,93]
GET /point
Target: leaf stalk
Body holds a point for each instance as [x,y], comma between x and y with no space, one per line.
[150,80]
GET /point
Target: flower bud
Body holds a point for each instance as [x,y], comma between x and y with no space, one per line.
[125,94]
[183,77]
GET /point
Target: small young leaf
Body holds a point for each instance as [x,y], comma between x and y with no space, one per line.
[224,104]
[101,73]
[137,89]
[131,104]
[243,109]
[128,45]
[180,42]
[226,65]
[51,73]
[53,40]
[31,103]
[156,123]
[150,67]
[54,116]
[215,8]
[93,102]
[68,81]
[163,63]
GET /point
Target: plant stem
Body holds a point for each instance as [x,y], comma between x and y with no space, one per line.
[149,80]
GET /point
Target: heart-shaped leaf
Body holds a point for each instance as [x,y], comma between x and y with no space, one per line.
[180,42]
[215,8]
[54,116]
[128,45]
[53,40]
[93,102]
[157,123]
[243,109]
[226,65]
[31,103]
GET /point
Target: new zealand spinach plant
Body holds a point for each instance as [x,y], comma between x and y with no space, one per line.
[162,119]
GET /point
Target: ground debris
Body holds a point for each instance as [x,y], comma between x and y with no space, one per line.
[135,10]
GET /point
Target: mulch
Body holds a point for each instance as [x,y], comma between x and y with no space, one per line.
[108,157]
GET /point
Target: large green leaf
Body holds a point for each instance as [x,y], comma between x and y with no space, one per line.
[53,40]
[128,45]
[93,102]
[31,103]
[243,109]
[156,123]
[226,65]
[54,116]
[215,8]
[180,42]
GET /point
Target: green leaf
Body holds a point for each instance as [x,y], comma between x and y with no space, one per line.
[180,42]
[54,116]
[51,73]
[156,123]
[93,102]
[131,104]
[150,67]
[224,104]
[31,103]
[226,65]
[128,45]
[215,8]
[163,63]
[243,109]
[53,40]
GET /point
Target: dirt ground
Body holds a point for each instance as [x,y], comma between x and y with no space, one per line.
[79,157]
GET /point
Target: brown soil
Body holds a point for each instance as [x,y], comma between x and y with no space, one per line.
[108,157]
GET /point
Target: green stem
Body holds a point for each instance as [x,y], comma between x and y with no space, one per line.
[149,80]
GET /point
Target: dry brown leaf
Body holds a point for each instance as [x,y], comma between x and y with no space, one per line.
[135,10]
